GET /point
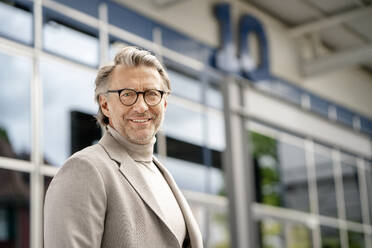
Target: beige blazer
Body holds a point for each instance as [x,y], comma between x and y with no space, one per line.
[100,199]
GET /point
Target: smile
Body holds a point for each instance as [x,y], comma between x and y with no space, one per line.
[140,120]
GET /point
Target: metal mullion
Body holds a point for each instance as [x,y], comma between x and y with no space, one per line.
[161,135]
[313,191]
[14,48]
[363,198]
[103,33]
[336,159]
[71,13]
[59,59]
[16,164]
[36,180]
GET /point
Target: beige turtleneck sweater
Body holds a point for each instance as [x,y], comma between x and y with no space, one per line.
[142,155]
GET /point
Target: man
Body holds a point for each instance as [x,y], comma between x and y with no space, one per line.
[115,194]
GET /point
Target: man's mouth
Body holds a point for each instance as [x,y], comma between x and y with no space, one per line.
[140,120]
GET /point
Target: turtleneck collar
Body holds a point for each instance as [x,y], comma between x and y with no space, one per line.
[140,153]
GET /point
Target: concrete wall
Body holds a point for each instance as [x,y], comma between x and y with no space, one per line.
[350,87]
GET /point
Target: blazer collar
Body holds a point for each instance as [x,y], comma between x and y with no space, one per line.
[192,226]
[130,170]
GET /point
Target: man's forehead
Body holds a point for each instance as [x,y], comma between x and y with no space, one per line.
[144,75]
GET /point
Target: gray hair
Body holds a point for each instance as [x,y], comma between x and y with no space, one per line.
[129,56]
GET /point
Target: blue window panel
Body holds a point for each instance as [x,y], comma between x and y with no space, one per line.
[344,115]
[264,85]
[89,7]
[319,105]
[286,91]
[185,45]
[130,21]
[15,23]
[366,125]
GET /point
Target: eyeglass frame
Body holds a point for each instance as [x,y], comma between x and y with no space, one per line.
[162,93]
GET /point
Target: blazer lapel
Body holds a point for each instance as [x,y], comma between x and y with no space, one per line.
[192,226]
[131,172]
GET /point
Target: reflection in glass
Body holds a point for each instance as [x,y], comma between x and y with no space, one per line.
[356,239]
[15,134]
[14,209]
[271,234]
[294,176]
[217,182]
[216,131]
[265,157]
[76,45]
[368,173]
[15,23]
[184,124]
[66,90]
[219,234]
[351,188]
[185,86]
[330,237]
[297,235]
[325,182]
[214,96]
[189,176]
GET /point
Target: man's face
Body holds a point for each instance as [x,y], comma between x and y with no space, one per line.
[138,123]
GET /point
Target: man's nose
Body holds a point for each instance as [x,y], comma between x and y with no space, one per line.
[140,106]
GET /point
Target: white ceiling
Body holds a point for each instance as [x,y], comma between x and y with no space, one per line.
[351,31]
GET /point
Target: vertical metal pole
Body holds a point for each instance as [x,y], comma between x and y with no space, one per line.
[37,184]
[313,191]
[336,157]
[161,137]
[238,173]
[103,33]
[364,198]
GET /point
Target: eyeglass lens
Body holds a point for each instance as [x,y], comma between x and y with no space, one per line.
[129,97]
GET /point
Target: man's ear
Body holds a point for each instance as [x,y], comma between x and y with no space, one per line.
[104,105]
[165,103]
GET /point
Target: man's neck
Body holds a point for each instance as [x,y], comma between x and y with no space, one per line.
[137,151]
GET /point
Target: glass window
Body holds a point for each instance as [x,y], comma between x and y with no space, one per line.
[188,175]
[68,104]
[368,173]
[330,237]
[15,23]
[266,162]
[356,239]
[351,188]
[327,202]
[214,96]
[366,125]
[297,235]
[217,182]
[14,209]
[15,134]
[319,105]
[286,91]
[272,235]
[345,116]
[185,86]
[293,172]
[219,231]
[216,131]
[76,45]
[280,234]
[183,123]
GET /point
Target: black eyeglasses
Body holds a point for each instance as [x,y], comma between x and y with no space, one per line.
[128,97]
